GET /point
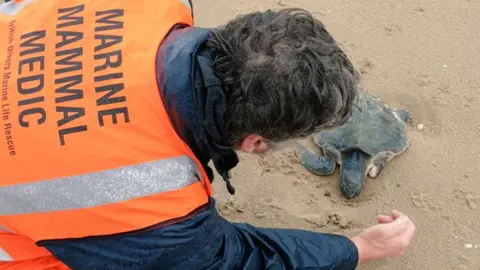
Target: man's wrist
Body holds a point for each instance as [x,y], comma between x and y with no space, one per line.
[363,250]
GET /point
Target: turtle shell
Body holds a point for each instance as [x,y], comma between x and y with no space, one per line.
[373,127]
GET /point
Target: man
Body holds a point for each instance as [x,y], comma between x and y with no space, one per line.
[111,111]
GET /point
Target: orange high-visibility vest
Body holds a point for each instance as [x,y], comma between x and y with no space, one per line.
[86,146]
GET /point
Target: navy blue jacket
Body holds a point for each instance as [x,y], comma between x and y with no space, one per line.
[206,240]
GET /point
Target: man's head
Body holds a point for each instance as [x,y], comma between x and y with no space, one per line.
[285,77]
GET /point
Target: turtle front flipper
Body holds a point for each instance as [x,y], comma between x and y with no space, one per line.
[403,114]
[319,165]
[353,172]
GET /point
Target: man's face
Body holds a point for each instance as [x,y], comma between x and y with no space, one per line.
[257,144]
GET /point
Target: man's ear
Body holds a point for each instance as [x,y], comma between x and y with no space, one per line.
[254,144]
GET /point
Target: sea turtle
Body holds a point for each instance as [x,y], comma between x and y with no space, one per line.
[371,137]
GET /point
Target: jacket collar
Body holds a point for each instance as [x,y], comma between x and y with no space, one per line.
[194,98]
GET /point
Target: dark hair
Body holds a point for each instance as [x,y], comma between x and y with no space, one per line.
[284,74]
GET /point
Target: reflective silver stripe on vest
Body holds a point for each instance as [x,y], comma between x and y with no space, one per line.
[12,8]
[187,3]
[4,257]
[99,188]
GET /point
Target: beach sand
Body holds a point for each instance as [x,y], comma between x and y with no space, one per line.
[420,55]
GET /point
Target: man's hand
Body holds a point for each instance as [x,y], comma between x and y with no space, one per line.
[389,238]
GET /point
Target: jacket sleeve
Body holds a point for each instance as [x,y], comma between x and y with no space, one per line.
[266,248]
[207,241]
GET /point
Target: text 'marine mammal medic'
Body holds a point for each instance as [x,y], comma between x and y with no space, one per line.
[70,79]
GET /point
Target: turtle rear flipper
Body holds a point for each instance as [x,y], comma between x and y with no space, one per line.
[379,163]
[319,165]
[353,172]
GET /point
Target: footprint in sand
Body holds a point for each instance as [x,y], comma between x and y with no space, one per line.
[423,80]
[280,3]
[367,66]
[467,262]
[229,207]
[468,198]
[418,10]
[348,47]
[442,96]
[468,101]
[393,29]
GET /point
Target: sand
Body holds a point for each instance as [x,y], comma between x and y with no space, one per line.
[420,55]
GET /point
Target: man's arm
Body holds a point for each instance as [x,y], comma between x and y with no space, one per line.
[206,241]
[295,249]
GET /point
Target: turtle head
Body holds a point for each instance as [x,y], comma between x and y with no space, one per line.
[353,171]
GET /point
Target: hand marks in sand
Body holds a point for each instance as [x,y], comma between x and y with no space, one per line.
[467,198]
[334,222]
[425,201]
[278,162]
